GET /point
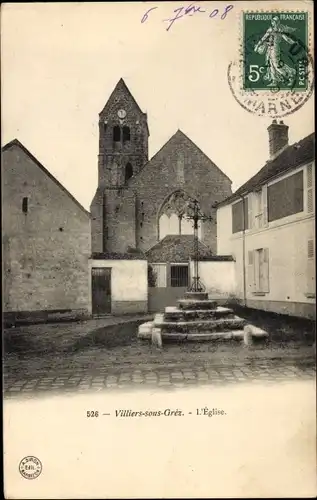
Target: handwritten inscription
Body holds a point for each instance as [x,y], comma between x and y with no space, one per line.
[191,10]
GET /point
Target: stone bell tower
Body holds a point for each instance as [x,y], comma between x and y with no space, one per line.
[123,150]
[123,139]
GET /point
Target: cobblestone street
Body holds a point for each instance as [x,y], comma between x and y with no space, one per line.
[79,380]
[106,355]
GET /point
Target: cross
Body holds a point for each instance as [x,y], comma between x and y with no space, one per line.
[196,215]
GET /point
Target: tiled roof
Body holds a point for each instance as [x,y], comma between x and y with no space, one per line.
[118,256]
[176,248]
[292,157]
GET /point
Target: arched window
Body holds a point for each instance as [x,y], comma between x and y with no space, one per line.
[164,228]
[173,216]
[116,133]
[128,171]
[126,133]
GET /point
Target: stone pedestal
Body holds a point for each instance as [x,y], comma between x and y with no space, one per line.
[197,318]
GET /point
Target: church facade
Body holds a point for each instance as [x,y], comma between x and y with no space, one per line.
[141,207]
[138,202]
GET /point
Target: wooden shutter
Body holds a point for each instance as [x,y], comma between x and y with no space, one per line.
[310,188]
[250,211]
[310,275]
[264,206]
[250,271]
[265,273]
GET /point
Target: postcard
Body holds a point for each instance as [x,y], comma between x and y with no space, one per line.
[158,243]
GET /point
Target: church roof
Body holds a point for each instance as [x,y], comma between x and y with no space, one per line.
[17,143]
[177,249]
[291,157]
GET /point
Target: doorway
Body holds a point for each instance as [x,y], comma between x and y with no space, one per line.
[101,290]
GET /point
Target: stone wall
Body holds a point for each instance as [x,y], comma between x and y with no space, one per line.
[46,247]
[202,180]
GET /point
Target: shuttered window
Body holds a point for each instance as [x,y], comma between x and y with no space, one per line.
[250,271]
[311,269]
[286,197]
[240,216]
[310,189]
[258,270]
[250,210]
[265,218]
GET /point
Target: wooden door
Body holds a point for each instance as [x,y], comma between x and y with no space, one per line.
[101,290]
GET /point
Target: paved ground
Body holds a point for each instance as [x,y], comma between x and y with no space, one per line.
[105,354]
[83,380]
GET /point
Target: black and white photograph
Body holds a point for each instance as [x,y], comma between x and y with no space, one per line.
[158,249]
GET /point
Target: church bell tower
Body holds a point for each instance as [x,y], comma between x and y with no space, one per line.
[123,139]
[123,150]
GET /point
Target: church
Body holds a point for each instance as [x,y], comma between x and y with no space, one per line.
[140,208]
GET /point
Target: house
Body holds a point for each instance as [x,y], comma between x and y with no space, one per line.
[268,226]
[141,203]
[45,242]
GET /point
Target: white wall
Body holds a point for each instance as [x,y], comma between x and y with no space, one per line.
[128,278]
[217,276]
[287,241]
[224,230]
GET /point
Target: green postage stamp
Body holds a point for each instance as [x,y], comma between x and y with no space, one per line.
[275,51]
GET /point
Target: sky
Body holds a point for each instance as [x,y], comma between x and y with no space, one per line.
[61,61]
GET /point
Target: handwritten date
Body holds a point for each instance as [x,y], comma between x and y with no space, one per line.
[192,9]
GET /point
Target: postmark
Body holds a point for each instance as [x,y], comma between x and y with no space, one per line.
[274,75]
[30,467]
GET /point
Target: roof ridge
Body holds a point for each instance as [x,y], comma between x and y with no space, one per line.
[267,167]
[178,131]
[16,142]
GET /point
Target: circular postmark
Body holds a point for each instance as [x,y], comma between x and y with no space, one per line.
[30,467]
[279,86]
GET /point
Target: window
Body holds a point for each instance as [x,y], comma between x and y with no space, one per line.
[126,133]
[310,188]
[25,205]
[240,216]
[157,275]
[128,171]
[179,275]
[258,270]
[116,133]
[180,169]
[286,197]
[311,290]
[258,212]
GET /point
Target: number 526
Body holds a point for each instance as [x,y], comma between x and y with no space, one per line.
[93,413]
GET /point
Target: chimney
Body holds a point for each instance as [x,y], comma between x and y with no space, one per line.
[278,137]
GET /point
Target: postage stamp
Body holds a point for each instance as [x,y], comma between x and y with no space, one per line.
[274,74]
[274,50]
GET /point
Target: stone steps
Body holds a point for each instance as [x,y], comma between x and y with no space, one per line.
[196,304]
[196,295]
[175,314]
[204,336]
[211,325]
